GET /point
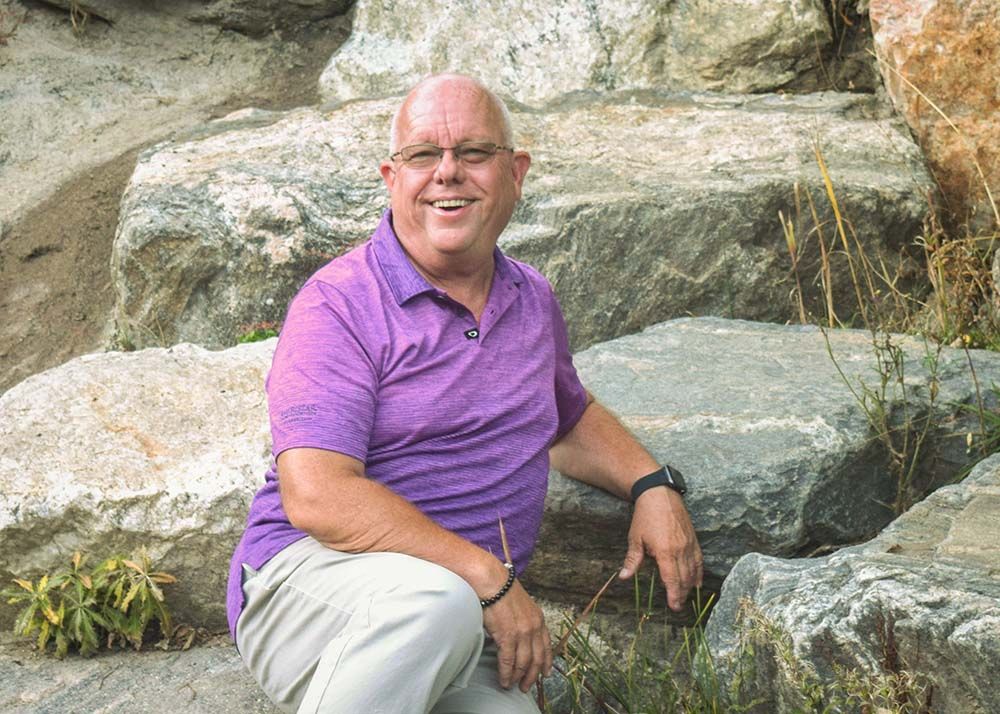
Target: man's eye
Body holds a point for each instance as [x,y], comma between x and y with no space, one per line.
[423,155]
[474,154]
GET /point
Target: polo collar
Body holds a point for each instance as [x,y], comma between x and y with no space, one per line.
[403,278]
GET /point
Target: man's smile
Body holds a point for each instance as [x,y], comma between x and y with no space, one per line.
[451,204]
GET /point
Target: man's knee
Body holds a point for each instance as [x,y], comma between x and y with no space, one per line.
[443,603]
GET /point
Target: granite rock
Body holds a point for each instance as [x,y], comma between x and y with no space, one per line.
[555,48]
[942,56]
[921,598]
[638,208]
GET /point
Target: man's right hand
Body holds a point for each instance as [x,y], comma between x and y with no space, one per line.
[517,625]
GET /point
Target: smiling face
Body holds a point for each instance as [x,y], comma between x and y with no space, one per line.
[449,218]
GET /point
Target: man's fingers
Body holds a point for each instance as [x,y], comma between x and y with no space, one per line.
[633,559]
[547,667]
[523,662]
[537,662]
[505,664]
[677,590]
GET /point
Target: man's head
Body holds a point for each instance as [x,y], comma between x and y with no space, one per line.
[451,212]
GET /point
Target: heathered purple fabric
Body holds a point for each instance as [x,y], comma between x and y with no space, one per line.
[374,362]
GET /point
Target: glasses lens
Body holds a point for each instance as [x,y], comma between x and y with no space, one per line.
[421,156]
[475,152]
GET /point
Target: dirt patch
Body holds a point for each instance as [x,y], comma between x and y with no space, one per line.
[55,276]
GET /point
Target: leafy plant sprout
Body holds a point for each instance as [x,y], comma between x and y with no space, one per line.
[114,603]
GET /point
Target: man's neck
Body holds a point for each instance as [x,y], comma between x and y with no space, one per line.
[469,285]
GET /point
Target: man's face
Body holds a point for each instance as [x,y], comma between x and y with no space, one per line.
[440,236]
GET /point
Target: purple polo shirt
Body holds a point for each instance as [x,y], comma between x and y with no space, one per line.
[376,363]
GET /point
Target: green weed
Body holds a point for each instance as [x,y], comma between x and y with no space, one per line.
[114,603]
[258,332]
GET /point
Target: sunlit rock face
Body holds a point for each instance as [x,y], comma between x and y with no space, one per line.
[940,60]
[551,48]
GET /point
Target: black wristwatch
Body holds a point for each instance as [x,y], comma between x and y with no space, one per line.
[663,476]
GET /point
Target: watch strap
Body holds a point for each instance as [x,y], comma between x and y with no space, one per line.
[663,476]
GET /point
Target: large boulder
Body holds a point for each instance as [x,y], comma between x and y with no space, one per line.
[920,603]
[942,56]
[109,452]
[70,101]
[165,448]
[553,48]
[638,207]
[776,450]
[74,109]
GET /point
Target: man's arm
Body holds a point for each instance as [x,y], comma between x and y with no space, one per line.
[317,484]
[599,451]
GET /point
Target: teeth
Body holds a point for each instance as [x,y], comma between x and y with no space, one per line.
[456,203]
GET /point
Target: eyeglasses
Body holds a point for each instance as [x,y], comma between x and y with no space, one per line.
[427,156]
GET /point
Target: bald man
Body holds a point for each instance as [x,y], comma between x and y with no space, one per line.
[421,387]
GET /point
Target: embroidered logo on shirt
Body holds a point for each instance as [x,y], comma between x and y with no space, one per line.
[472,334]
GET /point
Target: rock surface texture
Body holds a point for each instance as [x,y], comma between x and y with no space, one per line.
[113,451]
[76,106]
[923,597]
[777,453]
[638,208]
[722,45]
[165,447]
[72,100]
[949,51]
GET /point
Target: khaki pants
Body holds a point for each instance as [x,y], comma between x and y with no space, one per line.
[325,632]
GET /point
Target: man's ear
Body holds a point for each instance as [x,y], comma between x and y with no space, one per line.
[388,171]
[519,167]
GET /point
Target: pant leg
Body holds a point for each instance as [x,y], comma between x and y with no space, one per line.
[482,693]
[325,632]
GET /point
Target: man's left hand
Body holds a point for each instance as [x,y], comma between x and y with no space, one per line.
[662,528]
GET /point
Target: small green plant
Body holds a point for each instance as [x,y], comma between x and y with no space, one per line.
[113,603]
[259,332]
[640,679]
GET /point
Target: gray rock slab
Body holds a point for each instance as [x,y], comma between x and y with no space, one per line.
[638,207]
[778,455]
[722,45]
[202,680]
[923,597]
[165,448]
[70,102]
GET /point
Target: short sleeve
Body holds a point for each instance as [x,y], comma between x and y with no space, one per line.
[571,397]
[323,384]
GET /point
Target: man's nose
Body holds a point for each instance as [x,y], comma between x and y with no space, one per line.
[449,168]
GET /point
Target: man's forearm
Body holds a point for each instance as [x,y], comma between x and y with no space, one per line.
[600,451]
[318,486]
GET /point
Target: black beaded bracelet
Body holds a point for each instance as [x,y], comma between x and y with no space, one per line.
[503,591]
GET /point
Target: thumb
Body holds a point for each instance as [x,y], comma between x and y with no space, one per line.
[633,559]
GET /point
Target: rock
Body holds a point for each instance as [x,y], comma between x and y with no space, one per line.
[202,680]
[727,45]
[921,598]
[163,448]
[258,17]
[70,102]
[776,451]
[944,50]
[75,108]
[638,207]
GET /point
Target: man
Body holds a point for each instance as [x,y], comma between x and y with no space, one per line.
[421,384]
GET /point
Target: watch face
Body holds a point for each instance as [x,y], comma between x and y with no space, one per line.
[675,478]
